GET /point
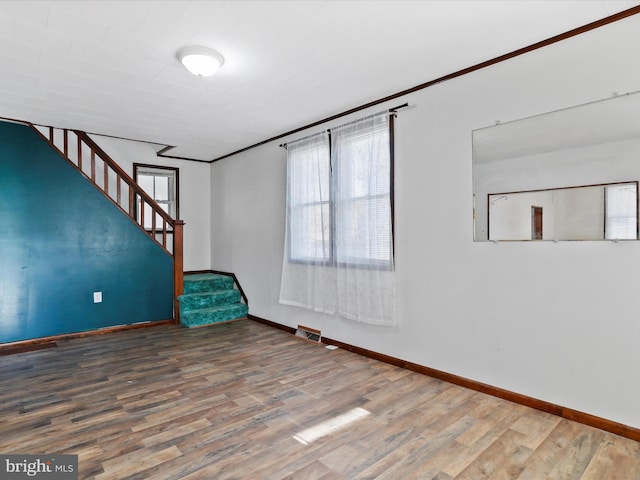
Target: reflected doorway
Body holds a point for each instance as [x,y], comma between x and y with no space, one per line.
[536,223]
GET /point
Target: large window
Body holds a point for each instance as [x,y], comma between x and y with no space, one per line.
[161,183]
[340,195]
[339,229]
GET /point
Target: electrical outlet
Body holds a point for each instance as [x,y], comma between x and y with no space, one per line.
[97,297]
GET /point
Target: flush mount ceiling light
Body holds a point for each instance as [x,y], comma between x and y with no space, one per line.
[200,61]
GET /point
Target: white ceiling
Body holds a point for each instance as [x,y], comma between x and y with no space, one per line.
[110,67]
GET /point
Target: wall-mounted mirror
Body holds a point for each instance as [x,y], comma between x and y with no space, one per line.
[554,176]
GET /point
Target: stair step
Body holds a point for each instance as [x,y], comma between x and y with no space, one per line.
[207,282]
[195,301]
[207,316]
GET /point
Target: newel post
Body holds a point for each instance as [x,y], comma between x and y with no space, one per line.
[178,267]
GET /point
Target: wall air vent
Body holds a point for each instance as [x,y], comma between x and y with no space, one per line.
[308,333]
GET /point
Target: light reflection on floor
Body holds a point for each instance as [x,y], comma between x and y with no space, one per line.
[331,425]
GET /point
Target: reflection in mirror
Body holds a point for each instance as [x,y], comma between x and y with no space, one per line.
[591,212]
[570,165]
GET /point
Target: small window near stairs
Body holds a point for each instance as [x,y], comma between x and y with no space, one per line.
[161,183]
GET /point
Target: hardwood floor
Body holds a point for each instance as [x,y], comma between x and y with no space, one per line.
[246,401]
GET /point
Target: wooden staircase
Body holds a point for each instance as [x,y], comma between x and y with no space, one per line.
[94,164]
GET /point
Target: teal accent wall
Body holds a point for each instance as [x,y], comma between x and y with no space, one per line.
[60,241]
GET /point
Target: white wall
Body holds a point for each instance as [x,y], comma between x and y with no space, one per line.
[556,321]
[195,194]
[580,214]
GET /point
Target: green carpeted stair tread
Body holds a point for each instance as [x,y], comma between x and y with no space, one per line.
[207,282]
[204,276]
[194,301]
[220,313]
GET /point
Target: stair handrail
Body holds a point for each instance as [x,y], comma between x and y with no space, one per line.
[135,191]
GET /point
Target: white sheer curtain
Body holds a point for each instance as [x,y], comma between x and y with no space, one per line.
[339,245]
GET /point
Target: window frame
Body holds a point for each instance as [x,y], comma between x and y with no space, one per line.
[139,169]
[608,235]
[368,264]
